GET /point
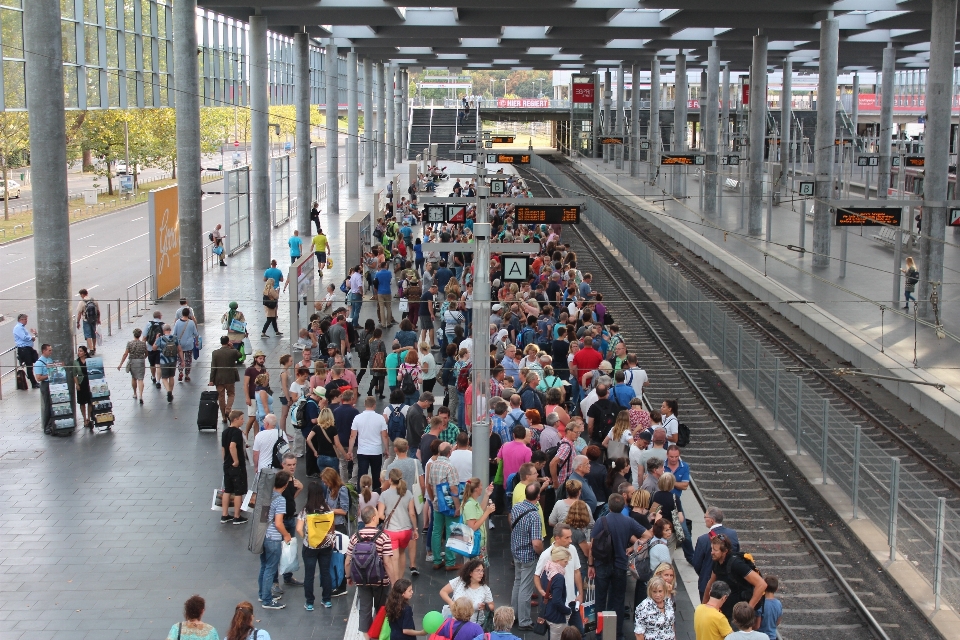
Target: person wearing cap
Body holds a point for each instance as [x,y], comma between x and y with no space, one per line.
[250,387]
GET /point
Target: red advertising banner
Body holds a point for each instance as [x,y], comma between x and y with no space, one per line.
[745,94]
[529,103]
[583,92]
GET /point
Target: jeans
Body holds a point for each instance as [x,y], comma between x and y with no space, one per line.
[409,400]
[461,407]
[356,300]
[611,587]
[468,320]
[269,563]
[310,558]
[523,588]
[372,464]
[328,461]
[908,295]
[441,531]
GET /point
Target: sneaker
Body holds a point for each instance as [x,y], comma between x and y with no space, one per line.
[240,520]
[293,582]
[273,605]
[342,591]
[169,396]
[180,377]
[153,380]
[156,383]
[225,519]
[414,571]
[276,591]
[327,604]
[308,606]
[429,557]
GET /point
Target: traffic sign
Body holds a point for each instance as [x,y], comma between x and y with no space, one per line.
[806,189]
[869,216]
[547,214]
[236,143]
[680,159]
[515,268]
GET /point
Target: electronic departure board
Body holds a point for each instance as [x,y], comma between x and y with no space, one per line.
[508,158]
[501,139]
[913,161]
[547,214]
[688,158]
[869,216]
[611,140]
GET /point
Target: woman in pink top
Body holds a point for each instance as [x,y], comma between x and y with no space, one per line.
[639,418]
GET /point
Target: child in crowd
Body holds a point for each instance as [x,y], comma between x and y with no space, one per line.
[771,609]
[399,612]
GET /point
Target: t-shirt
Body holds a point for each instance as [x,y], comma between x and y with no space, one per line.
[277,505]
[600,411]
[275,274]
[320,243]
[405,621]
[235,435]
[425,446]
[296,246]
[586,361]
[568,576]
[710,624]
[746,635]
[369,426]
[733,571]
[478,596]
[410,468]
[426,300]
[251,373]
[513,454]
[400,520]
[383,278]
[621,530]
[263,444]
[462,461]
[343,417]
[324,446]
[384,546]
[771,611]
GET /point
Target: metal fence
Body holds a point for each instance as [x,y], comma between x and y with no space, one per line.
[902,501]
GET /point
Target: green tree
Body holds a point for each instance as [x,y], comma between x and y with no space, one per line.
[14,146]
[102,134]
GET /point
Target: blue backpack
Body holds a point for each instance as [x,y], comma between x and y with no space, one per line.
[397,425]
[526,336]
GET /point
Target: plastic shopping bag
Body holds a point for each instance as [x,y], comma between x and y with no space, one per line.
[289,557]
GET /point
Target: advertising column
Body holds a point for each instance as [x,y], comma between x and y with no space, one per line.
[164,241]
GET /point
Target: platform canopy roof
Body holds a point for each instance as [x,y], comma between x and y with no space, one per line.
[587,34]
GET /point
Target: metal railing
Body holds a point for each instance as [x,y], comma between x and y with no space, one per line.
[899,500]
[140,300]
[12,352]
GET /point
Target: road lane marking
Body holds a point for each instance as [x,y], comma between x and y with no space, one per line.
[85,237]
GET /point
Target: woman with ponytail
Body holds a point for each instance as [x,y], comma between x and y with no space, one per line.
[241,627]
[396,507]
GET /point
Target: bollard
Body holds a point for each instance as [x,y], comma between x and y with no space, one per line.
[109,326]
[607,625]
[824,441]
[892,512]
[856,470]
[938,557]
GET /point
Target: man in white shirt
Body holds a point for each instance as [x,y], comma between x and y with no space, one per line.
[369,433]
[264,442]
[635,376]
[462,457]
[592,397]
[563,537]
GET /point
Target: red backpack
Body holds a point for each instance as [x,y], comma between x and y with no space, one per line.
[463,378]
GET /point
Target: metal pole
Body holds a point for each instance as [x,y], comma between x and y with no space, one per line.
[607,129]
[653,132]
[709,130]
[757,133]
[938,558]
[48,153]
[786,118]
[799,411]
[301,44]
[381,93]
[826,131]
[856,470]
[333,131]
[776,393]
[635,120]
[259,143]
[353,128]
[892,511]
[391,127]
[397,121]
[369,122]
[618,149]
[824,441]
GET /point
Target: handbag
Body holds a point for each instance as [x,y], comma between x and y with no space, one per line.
[463,540]
[445,500]
[404,305]
[588,612]
[677,524]
[540,626]
[218,250]
[197,346]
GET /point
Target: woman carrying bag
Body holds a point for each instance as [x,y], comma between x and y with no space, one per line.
[270,304]
[554,611]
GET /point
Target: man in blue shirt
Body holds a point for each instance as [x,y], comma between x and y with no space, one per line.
[296,246]
[681,473]
[384,302]
[273,541]
[274,273]
[610,574]
[443,276]
[40,371]
[23,340]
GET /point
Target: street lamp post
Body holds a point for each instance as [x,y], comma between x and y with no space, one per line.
[504,87]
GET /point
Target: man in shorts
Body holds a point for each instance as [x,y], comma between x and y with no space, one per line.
[153,351]
[320,250]
[234,457]
[171,352]
[88,315]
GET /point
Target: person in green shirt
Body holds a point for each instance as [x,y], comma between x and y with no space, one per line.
[392,363]
[319,243]
[475,511]
[450,429]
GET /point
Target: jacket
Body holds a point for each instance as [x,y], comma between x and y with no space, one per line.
[702,562]
[556,609]
[223,368]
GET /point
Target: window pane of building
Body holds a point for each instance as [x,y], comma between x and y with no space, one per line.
[14,90]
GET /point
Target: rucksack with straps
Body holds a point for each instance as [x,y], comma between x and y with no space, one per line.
[745,588]
[407,385]
[280,448]
[683,435]
[526,336]
[463,378]
[90,313]
[397,425]
[319,529]
[154,331]
[366,567]
[299,409]
[606,420]
[170,348]
[602,545]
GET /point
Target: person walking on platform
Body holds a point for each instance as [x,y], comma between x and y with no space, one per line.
[186,331]
[224,375]
[320,250]
[88,315]
[910,282]
[270,303]
[23,340]
[217,236]
[296,246]
[136,350]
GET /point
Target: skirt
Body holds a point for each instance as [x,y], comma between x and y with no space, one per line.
[137,369]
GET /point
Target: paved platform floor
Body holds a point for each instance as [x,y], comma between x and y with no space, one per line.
[855,299]
[106,534]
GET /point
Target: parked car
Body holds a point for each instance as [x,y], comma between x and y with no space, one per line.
[12,186]
[122,168]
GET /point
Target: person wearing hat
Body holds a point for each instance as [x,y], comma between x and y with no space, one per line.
[236,325]
[496,315]
[250,387]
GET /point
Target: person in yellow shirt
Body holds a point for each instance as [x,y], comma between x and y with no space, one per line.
[528,475]
[320,250]
[708,622]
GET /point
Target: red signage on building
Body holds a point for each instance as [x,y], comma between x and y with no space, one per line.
[583,92]
[525,103]
[745,95]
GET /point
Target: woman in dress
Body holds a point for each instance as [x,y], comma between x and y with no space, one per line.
[338,498]
[654,617]
[236,331]
[666,499]
[137,352]
[192,627]
[471,583]
[397,502]
[82,380]
[264,396]
[477,508]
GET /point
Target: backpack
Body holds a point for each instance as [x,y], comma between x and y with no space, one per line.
[453,629]
[526,336]
[616,400]
[154,331]
[344,286]
[605,422]
[280,447]
[299,409]
[746,589]
[210,236]
[319,529]
[407,385]
[463,378]
[397,424]
[379,364]
[367,566]
[641,561]
[90,313]
[602,547]
[683,435]
[170,347]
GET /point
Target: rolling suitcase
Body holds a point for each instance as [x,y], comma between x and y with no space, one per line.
[209,411]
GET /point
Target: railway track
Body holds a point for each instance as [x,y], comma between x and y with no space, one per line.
[830,582]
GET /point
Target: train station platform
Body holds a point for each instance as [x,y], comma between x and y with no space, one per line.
[108,533]
[853,316]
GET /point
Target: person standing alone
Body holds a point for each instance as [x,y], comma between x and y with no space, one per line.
[296,246]
[88,315]
[23,340]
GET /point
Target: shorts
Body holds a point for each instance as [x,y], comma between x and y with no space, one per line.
[426,322]
[321,258]
[283,400]
[168,370]
[89,330]
[252,409]
[153,357]
[400,539]
[235,480]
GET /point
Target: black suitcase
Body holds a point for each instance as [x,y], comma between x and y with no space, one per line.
[209,410]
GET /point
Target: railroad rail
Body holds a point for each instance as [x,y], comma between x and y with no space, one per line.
[830,582]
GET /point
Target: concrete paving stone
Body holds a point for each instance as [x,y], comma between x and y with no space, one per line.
[19,615]
[31,625]
[9,634]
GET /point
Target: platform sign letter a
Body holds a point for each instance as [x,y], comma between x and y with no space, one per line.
[515,268]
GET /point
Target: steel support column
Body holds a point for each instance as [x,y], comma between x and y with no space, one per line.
[936,150]
[826,132]
[405,113]
[725,111]
[333,130]
[634,121]
[607,94]
[886,131]
[48,154]
[709,130]
[259,145]
[353,128]
[391,111]
[301,43]
[380,91]
[786,117]
[370,145]
[758,131]
[618,150]
[680,123]
[654,128]
[397,120]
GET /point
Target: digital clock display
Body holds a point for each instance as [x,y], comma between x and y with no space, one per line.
[547,214]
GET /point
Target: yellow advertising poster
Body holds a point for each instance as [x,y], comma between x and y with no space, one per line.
[165,241]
